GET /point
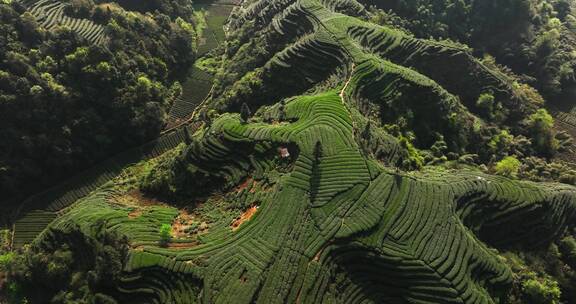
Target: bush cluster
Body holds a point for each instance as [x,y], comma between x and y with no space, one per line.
[66,103]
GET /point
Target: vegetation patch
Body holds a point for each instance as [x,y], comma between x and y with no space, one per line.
[343,153]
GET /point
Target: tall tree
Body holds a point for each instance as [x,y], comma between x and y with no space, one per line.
[315,175]
[245,113]
[282,111]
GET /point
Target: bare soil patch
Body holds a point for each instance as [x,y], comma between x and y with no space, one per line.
[247,182]
[246,216]
[187,225]
[135,198]
[182,245]
[134,214]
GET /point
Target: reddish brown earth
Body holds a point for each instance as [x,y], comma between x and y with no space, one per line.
[246,216]
[182,245]
[134,214]
[183,221]
[247,182]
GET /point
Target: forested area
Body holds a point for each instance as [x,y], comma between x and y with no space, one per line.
[533,38]
[66,103]
[329,151]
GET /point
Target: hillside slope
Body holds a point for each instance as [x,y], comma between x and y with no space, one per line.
[81,81]
[365,175]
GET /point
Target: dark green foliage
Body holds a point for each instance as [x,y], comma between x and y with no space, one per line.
[104,299]
[79,8]
[539,277]
[366,133]
[568,250]
[70,266]
[540,124]
[544,291]
[500,28]
[158,177]
[30,225]
[316,174]
[5,240]
[501,143]
[414,159]
[340,234]
[172,177]
[439,148]
[562,8]
[170,8]
[337,221]
[538,169]
[245,113]
[486,104]
[318,151]
[282,111]
[99,99]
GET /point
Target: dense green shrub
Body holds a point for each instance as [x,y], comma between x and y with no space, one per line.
[245,112]
[5,239]
[414,159]
[539,273]
[568,250]
[486,103]
[539,169]
[439,148]
[165,234]
[68,266]
[541,291]
[6,261]
[79,8]
[509,166]
[316,173]
[501,143]
[541,124]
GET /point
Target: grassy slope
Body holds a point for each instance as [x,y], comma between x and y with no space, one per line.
[416,232]
[341,228]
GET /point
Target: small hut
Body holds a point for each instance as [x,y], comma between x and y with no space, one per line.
[284,153]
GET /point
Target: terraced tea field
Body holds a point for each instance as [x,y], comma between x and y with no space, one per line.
[385,236]
[30,226]
[50,14]
[565,121]
[199,83]
[62,196]
[195,90]
[286,206]
[216,15]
